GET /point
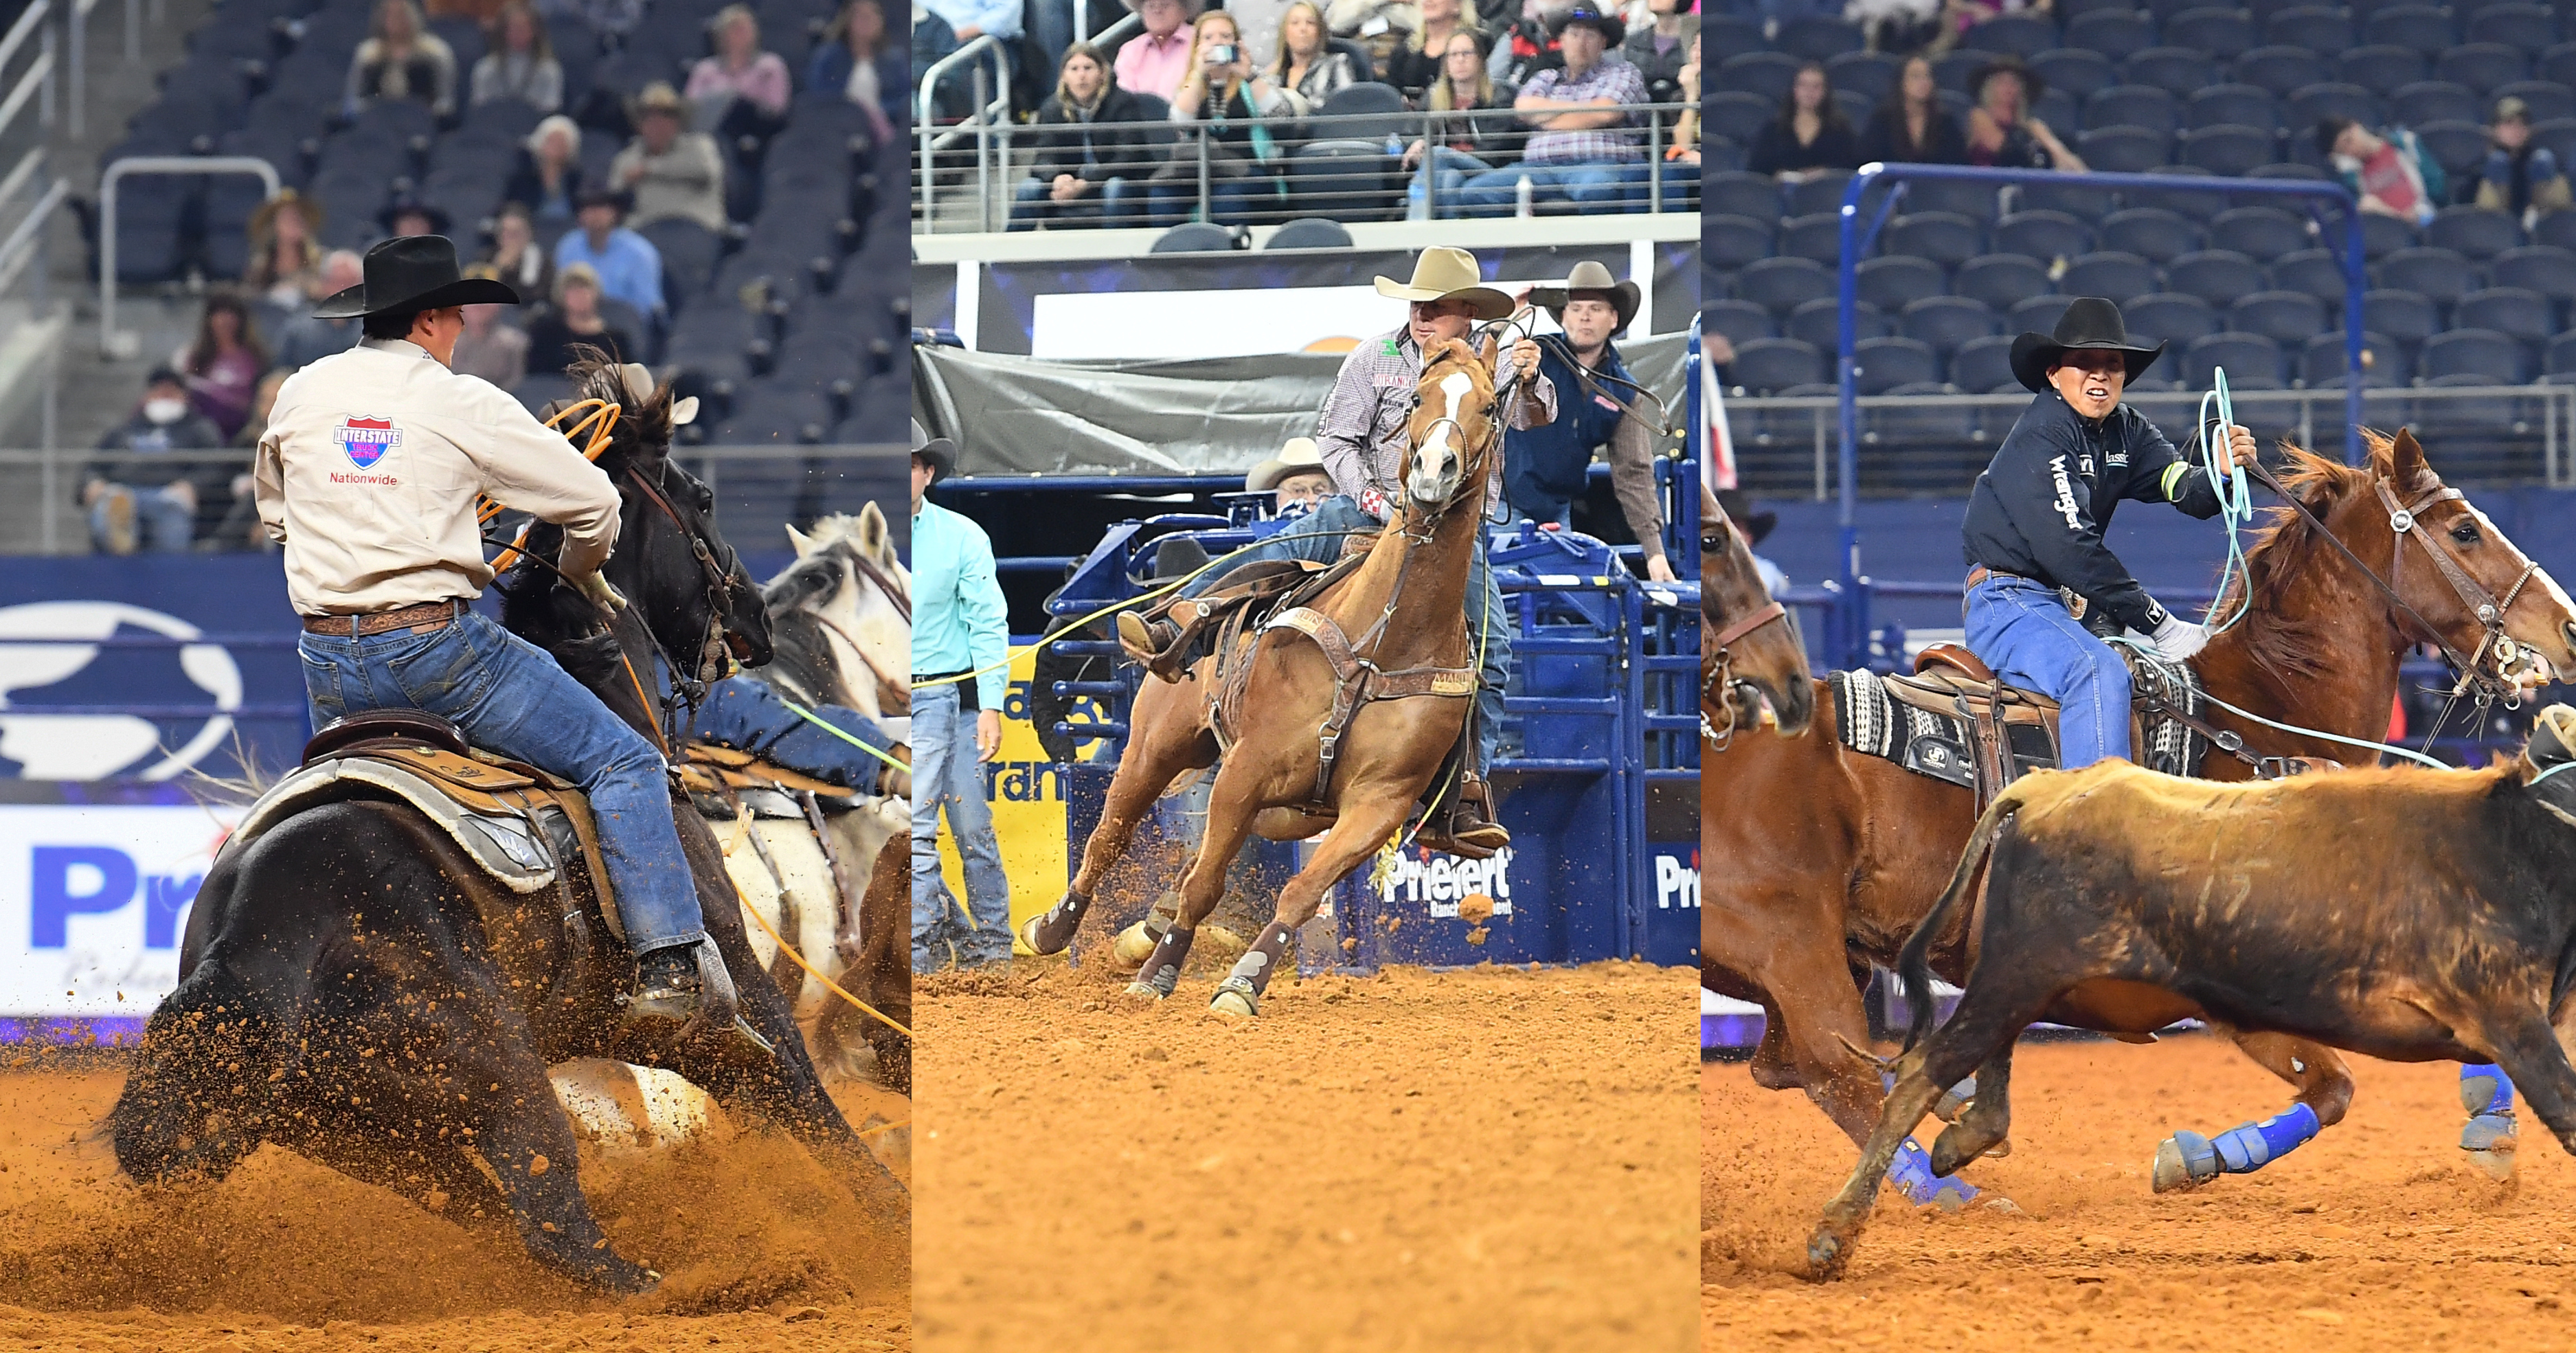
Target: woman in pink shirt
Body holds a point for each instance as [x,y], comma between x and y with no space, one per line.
[739,67]
[223,365]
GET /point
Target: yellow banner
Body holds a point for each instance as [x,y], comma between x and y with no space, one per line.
[1026,791]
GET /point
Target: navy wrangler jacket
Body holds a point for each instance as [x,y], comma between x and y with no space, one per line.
[2040,508]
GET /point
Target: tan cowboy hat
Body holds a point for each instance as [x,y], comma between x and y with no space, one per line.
[1589,281]
[1297,456]
[659,97]
[1441,273]
[262,220]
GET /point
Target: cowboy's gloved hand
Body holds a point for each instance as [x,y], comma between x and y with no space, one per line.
[1375,504]
[597,589]
[2177,639]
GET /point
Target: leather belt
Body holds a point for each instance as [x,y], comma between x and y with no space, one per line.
[425,618]
[1981,575]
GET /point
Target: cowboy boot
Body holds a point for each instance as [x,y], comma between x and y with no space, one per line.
[1465,826]
[1153,642]
[667,986]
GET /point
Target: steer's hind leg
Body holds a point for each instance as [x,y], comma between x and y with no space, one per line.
[2538,1064]
[1984,1123]
[2187,1160]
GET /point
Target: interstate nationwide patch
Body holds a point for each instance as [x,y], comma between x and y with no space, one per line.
[366,438]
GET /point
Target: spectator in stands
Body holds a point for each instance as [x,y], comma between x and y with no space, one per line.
[488,348]
[625,266]
[1682,171]
[1531,44]
[1232,102]
[1599,409]
[1809,137]
[401,59]
[2001,131]
[240,528]
[515,258]
[1660,52]
[574,318]
[1910,125]
[1467,146]
[408,215]
[159,497]
[1587,150]
[223,365]
[2390,171]
[940,27]
[1958,16]
[1381,29]
[611,19]
[1897,26]
[1154,61]
[520,63]
[2519,178]
[1307,66]
[547,180]
[1092,152]
[1423,59]
[285,258]
[740,68]
[854,59]
[1295,479]
[309,339]
[670,172]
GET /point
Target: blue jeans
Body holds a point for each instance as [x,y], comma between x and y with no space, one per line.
[1318,537]
[1444,169]
[1597,186]
[162,523]
[748,715]
[2023,632]
[1111,202]
[507,696]
[1230,201]
[946,775]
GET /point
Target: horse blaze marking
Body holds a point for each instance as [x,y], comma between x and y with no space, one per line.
[367,438]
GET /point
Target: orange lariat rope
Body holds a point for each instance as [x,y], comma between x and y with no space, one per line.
[599,422]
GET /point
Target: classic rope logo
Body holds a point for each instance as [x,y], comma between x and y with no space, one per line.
[61,661]
[366,438]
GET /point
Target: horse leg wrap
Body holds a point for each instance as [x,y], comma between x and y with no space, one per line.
[1050,931]
[2489,1135]
[1162,970]
[1952,1100]
[1251,975]
[1911,1173]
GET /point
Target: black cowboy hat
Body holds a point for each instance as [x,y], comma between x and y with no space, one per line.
[939,451]
[2089,322]
[413,272]
[1612,28]
[1739,509]
[2032,86]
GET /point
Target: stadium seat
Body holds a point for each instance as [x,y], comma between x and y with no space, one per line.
[2045,235]
[2153,233]
[1766,75]
[2250,361]
[2474,352]
[2514,312]
[1740,114]
[2318,272]
[1769,365]
[1976,201]
[2168,317]
[2115,275]
[2016,34]
[1818,323]
[1823,193]
[1946,238]
[1741,194]
[1195,237]
[2434,101]
[1741,321]
[2238,105]
[2559,365]
[1782,284]
[2078,72]
[2285,170]
[1886,363]
[2543,100]
[1818,235]
[2315,27]
[2439,275]
[1856,107]
[1730,242]
[2381,69]
[2481,66]
[2322,362]
[1920,422]
[1951,69]
[2126,150]
[1983,366]
[2530,28]
[2407,316]
[2133,106]
[2113,33]
[1999,280]
[1869,74]
[2459,147]
[1310,232]
[2286,317]
[2307,107]
[1727,33]
[2557,65]
[2545,268]
[2474,234]
[2423,28]
[1816,37]
[1893,283]
[2380,235]
[2039,314]
[2220,34]
[1945,323]
[2176,70]
[2260,233]
[2278,70]
[2559,135]
[2218,276]
[2232,151]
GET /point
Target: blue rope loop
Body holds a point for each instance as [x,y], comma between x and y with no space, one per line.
[2235,495]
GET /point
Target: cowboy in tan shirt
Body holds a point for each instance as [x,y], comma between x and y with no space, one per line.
[368,475]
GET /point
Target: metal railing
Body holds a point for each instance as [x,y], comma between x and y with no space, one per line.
[1346,167]
[110,341]
[992,106]
[38,77]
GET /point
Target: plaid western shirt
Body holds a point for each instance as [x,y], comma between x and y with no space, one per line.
[1362,435]
[1611,78]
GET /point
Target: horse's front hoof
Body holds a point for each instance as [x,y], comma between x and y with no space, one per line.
[1145,991]
[1134,945]
[1234,996]
[1051,930]
[1827,1253]
[2489,1140]
[2184,1161]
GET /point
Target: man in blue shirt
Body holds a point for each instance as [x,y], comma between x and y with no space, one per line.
[1544,467]
[629,267]
[959,626]
[940,27]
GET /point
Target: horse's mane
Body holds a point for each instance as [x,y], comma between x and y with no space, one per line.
[529,605]
[644,428]
[2286,646]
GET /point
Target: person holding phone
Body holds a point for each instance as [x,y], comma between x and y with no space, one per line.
[1231,103]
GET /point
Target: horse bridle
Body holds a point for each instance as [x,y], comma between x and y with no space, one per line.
[1718,686]
[892,693]
[721,647]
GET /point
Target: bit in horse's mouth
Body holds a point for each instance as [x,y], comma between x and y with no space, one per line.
[1753,703]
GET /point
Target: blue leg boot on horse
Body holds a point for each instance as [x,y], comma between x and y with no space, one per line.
[2487,1093]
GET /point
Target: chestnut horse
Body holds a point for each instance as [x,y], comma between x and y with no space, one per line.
[1753,670]
[1830,858]
[1399,616]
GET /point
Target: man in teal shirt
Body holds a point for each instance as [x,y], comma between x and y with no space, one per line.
[959,625]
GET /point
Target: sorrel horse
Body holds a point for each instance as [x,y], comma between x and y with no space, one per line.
[1396,623]
[1753,670]
[1830,858]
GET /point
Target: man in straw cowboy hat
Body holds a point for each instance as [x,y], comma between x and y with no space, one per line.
[1544,468]
[1158,59]
[674,173]
[960,651]
[2041,582]
[1296,477]
[368,475]
[1363,439]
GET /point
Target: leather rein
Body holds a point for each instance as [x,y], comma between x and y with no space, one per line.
[721,648]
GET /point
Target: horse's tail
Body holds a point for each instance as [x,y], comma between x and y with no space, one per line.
[1914,963]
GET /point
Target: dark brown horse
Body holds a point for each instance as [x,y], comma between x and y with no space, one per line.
[1822,861]
[1753,670]
[1400,614]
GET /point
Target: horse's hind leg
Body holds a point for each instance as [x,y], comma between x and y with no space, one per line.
[1358,833]
[1165,737]
[1231,807]
[197,1100]
[2187,1160]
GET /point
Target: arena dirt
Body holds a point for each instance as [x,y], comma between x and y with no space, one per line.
[1482,1159]
[2375,1236]
[759,1250]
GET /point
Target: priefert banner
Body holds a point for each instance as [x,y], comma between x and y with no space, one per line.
[93,901]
